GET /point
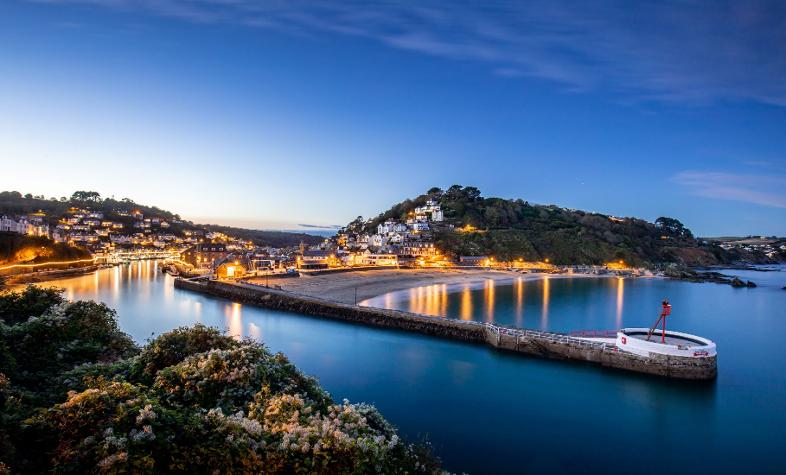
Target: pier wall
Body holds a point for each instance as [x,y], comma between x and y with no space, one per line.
[529,342]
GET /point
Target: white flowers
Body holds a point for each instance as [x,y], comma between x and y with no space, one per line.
[146,414]
[344,427]
[143,435]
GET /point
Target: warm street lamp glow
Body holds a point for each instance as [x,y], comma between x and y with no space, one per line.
[54,263]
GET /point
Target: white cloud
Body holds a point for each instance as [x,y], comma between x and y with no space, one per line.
[765,190]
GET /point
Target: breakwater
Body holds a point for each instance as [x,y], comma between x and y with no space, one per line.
[529,342]
[19,278]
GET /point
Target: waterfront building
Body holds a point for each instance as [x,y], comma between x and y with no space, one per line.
[205,255]
[482,261]
[381,259]
[231,268]
[315,259]
[419,248]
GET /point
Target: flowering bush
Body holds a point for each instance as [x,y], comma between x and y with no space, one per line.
[173,347]
[192,400]
[37,350]
[229,379]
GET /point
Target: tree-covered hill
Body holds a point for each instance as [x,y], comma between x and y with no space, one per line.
[14,203]
[510,229]
[267,238]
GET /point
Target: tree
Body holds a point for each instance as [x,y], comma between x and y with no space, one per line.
[435,192]
[28,196]
[673,227]
[454,193]
[471,193]
[92,196]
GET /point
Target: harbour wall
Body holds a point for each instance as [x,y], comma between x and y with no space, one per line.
[529,342]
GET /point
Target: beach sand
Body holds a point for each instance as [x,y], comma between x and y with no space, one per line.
[340,286]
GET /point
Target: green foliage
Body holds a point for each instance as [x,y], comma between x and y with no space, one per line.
[192,401]
[86,196]
[673,227]
[175,346]
[267,238]
[57,338]
[515,229]
[12,202]
[17,307]
[229,378]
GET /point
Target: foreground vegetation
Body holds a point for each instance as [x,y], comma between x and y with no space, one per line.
[77,395]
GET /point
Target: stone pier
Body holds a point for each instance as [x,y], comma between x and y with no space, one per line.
[529,342]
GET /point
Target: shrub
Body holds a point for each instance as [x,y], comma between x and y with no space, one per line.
[192,401]
[174,346]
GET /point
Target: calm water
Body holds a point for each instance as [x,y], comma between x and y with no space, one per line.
[491,412]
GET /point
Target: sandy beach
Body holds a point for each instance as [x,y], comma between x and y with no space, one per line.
[340,287]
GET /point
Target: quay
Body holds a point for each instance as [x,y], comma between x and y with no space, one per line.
[528,342]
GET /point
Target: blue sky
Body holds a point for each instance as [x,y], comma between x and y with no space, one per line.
[273,114]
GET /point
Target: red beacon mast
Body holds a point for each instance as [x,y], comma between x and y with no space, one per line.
[665,312]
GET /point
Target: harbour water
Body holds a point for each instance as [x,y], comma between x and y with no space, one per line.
[491,412]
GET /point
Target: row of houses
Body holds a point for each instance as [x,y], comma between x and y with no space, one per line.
[411,236]
[30,225]
[767,247]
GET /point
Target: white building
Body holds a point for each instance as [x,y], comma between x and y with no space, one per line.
[432,211]
[23,226]
[380,259]
[378,240]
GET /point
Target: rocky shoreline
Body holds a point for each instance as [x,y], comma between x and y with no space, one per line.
[699,276]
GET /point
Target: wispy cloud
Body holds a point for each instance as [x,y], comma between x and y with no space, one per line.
[766,190]
[319,226]
[678,50]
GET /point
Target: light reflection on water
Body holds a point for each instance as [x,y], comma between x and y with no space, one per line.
[493,412]
[620,300]
[509,302]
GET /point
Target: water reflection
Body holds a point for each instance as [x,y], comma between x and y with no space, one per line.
[234,323]
[544,313]
[466,303]
[549,299]
[520,302]
[735,420]
[488,301]
[620,300]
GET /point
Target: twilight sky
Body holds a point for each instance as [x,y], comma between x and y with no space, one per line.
[278,113]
